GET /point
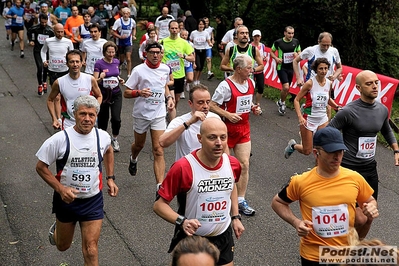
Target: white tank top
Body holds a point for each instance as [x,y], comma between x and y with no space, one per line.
[71,89]
[319,96]
[209,197]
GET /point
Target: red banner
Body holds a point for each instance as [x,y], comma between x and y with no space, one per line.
[345,91]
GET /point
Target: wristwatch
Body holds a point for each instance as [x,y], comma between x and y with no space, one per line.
[236,217]
[110,177]
[185,125]
[180,220]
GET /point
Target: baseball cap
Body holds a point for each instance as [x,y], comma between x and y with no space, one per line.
[256,32]
[330,139]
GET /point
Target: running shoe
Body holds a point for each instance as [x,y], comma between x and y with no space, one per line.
[187,86]
[132,167]
[51,234]
[281,107]
[21,54]
[40,90]
[115,145]
[182,96]
[289,149]
[244,208]
[210,75]
[45,87]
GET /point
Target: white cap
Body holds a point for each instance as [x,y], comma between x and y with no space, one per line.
[256,32]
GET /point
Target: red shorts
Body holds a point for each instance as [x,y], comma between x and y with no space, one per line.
[237,134]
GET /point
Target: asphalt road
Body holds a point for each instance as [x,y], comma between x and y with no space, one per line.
[132,234]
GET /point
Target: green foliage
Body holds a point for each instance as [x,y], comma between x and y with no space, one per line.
[365,31]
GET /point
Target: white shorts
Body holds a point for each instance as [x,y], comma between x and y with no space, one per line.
[312,123]
[141,125]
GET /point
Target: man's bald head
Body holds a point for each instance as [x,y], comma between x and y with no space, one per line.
[363,75]
[58,26]
[91,10]
[165,11]
[211,124]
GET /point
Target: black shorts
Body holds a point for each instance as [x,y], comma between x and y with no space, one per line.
[55,75]
[16,29]
[79,210]
[178,86]
[259,82]
[224,242]
[370,174]
[125,49]
[285,75]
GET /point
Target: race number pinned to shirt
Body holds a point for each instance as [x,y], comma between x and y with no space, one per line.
[288,58]
[41,38]
[19,20]
[63,15]
[330,221]
[174,65]
[111,82]
[57,62]
[126,33]
[212,209]
[156,97]
[320,100]
[366,148]
[244,104]
[81,179]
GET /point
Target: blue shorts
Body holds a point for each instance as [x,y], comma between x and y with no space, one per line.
[209,52]
[8,27]
[189,68]
[79,210]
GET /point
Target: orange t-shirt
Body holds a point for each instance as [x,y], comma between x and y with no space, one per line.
[330,203]
[72,27]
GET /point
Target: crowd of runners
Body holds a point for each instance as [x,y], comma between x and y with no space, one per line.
[82,53]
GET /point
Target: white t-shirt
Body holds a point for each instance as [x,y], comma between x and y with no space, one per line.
[174,7]
[57,49]
[156,79]
[109,10]
[229,36]
[94,52]
[54,148]
[199,39]
[7,21]
[210,31]
[188,141]
[162,24]
[313,52]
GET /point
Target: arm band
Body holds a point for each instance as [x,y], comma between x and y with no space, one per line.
[135,93]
